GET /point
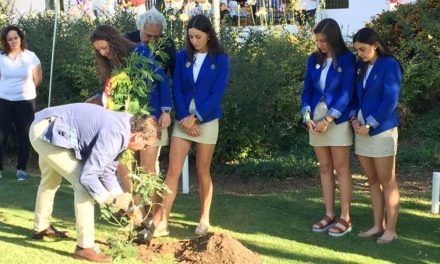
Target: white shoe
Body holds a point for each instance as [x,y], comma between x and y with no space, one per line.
[161,230]
[21,175]
[202,229]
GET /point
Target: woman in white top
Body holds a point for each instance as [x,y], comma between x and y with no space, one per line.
[200,80]
[20,75]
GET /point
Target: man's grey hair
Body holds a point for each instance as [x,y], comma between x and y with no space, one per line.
[152,17]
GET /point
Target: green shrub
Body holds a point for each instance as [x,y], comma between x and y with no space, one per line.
[274,168]
[419,147]
[262,103]
[413,34]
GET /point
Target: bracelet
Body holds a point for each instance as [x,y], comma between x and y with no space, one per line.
[325,121]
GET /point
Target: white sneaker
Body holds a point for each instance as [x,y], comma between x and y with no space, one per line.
[202,229]
[21,175]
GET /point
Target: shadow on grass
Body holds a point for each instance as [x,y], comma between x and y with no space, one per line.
[297,256]
[23,238]
[290,216]
[287,215]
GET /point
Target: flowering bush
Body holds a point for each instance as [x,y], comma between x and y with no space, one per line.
[413,34]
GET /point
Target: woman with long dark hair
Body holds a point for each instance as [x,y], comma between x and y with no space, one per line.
[328,89]
[111,51]
[375,122]
[200,80]
[20,75]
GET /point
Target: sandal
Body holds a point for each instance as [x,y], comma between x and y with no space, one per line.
[341,228]
[371,235]
[324,224]
[381,240]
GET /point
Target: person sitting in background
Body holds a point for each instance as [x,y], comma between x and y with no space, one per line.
[20,75]
[233,10]
[224,12]
[306,12]
[104,8]
[198,7]
[136,7]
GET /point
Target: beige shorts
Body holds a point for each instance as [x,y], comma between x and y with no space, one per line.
[164,139]
[335,135]
[377,146]
[208,131]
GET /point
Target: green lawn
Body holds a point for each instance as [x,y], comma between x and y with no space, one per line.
[274,224]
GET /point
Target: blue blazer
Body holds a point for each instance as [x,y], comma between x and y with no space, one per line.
[339,87]
[207,91]
[160,96]
[378,101]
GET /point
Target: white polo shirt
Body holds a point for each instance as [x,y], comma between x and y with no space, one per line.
[16,80]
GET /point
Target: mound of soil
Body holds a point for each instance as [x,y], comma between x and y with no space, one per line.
[211,248]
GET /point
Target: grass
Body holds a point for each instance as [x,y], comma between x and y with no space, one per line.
[275,224]
[419,146]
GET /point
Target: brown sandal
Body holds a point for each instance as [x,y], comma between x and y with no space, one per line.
[324,224]
[341,228]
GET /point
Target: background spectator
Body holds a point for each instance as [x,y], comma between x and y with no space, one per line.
[20,75]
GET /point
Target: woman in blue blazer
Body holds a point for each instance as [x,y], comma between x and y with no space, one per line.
[328,89]
[159,105]
[375,122]
[199,83]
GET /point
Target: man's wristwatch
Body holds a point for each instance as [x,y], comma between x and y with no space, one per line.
[166,111]
[367,126]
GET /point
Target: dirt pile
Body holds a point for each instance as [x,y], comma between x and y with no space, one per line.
[211,248]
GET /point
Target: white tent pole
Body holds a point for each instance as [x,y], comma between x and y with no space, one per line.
[57,11]
[435,192]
